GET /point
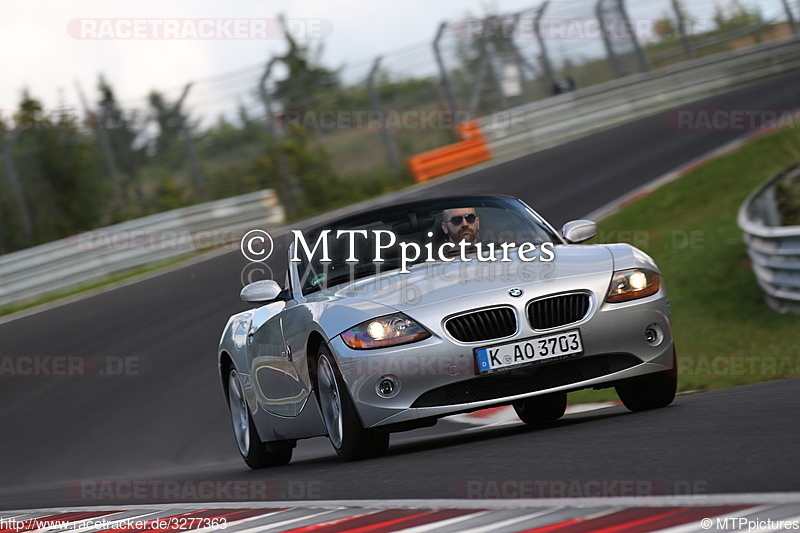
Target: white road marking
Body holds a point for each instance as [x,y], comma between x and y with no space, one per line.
[287,522]
[441,523]
[510,522]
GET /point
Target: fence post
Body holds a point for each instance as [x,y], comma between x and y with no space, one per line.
[790,17]
[16,187]
[497,90]
[547,66]
[197,171]
[265,99]
[519,62]
[476,85]
[612,58]
[448,90]
[293,197]
[102,138]
[643,65]
[386,136]
[687,46]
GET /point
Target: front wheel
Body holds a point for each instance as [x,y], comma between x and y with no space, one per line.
[650,391]
[351,440]
[254,452]
[538,410]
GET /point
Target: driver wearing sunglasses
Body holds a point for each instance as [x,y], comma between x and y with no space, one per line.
[461,225]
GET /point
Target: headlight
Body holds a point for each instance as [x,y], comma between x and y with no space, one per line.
[389,330]
[631,284]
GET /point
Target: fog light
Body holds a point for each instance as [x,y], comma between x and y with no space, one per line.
[653,334]
[387,386]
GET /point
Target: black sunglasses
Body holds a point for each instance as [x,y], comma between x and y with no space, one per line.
[456,221]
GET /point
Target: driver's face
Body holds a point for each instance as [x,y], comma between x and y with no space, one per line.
[461,225]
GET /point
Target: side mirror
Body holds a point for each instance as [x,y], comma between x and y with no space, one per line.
[261,291]
[578,231]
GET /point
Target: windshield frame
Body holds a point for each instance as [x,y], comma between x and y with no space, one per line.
[301,285]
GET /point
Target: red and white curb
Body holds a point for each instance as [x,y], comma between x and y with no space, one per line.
[665,514]
[505,415]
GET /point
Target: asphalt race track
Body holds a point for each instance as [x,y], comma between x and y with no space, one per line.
[163,418]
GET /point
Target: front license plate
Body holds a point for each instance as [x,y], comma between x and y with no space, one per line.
[512,354]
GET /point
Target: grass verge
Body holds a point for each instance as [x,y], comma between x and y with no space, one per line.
[725,334]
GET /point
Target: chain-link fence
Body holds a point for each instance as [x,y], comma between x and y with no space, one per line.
[324,135]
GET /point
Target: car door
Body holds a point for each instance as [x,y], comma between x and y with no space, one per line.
[270,364]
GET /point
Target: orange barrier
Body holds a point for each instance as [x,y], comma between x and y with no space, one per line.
[471,150]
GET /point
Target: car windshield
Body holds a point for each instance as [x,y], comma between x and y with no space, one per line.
[477,220]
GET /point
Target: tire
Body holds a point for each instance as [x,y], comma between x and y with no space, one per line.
[539,410]
[349,438]
[253,451]
[650,391]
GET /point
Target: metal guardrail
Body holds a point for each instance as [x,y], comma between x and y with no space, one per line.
[571,115]
[773,249]
[96,255]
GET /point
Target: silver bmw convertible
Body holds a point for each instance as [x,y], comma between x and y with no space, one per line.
[390,319]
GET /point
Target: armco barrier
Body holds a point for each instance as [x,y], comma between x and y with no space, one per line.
[773,249]
[469,151]
[95,255]
[560,118]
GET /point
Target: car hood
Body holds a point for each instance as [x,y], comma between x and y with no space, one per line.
[574,266]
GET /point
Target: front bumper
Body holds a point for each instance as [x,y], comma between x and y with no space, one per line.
[438,376]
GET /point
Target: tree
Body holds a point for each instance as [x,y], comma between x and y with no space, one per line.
[306,77]
[59,162]
[736,16]
[120,129]
[168,120]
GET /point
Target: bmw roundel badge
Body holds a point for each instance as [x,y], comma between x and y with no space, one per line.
[515,292]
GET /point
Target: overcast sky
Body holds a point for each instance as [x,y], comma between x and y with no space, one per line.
[45,48]
[41,50]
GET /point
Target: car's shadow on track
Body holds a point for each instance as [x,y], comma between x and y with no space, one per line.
[448,434]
